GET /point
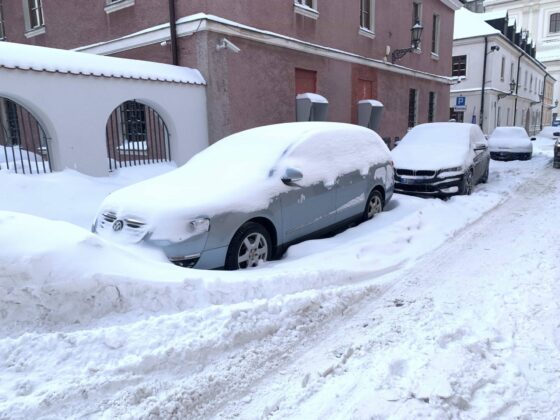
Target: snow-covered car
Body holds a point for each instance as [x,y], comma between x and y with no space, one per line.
[510,143]
[556,161]
[441,160]
[550,132]
[247,197]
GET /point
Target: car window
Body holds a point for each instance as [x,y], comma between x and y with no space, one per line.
[326,156]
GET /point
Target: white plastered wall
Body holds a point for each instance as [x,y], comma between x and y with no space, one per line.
[74,111]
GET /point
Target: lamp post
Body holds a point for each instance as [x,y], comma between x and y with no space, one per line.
[512,86]
[416,35]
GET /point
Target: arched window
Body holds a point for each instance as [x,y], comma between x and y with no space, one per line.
[555,22]
[24,144]
[136,135]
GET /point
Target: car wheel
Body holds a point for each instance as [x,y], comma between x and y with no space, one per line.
[467,184]
[250,245]
[374,205]
[484,177]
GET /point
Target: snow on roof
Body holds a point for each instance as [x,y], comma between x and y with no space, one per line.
[496,14]
[29,57]
[469,25]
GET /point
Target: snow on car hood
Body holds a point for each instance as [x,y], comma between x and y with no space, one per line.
[242,172]
[434,146]
[514,139]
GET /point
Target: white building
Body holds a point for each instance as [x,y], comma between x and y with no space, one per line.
[542,19]
[512,78]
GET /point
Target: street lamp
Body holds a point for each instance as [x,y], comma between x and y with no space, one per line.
[416,35]
[512,86]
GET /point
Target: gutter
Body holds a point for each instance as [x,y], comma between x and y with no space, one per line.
[542,104]
[483,83]
[173,33]
[517,89]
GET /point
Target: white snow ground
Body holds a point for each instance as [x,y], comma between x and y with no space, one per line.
[431,310]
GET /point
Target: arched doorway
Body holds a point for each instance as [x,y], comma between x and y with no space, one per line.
[23,141]
[136,135]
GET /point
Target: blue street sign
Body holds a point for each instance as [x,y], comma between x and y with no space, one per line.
[460,101]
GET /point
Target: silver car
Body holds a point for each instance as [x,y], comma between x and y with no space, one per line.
[246,198]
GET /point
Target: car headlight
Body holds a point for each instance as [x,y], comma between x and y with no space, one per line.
[455,169]
[200,225]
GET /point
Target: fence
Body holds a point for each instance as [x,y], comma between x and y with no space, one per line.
[23,141]
[136,135]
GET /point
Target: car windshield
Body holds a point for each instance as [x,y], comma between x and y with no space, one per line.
[510,132]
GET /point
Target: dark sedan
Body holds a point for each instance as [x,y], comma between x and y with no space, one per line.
[441,160]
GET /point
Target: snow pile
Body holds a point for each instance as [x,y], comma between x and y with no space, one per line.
[90,328]
[30,57]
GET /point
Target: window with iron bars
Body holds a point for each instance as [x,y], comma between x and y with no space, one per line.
[133,116]
[13,124]
[412,107]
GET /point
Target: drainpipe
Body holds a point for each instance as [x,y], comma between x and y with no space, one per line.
[517,88]
[483,83]
[173,31]
[542,103]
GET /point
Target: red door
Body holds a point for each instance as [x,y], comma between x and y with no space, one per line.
[306,81]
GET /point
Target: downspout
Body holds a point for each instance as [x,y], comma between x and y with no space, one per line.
[173,31]
[517,89]
[483,83]
[542,103]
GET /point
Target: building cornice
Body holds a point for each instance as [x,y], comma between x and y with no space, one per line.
[453,4]
[189,25]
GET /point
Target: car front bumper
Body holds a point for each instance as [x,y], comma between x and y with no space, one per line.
[426,187]
[503,155]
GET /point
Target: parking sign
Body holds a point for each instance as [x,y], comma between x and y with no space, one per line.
[460,103]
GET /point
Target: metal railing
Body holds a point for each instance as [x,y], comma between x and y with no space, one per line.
[24,144]
[136,135]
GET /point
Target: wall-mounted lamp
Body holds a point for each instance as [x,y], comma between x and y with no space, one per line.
[416,36]
[512,86]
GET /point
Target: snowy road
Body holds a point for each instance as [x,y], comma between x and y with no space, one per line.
[470,331]
[433,309]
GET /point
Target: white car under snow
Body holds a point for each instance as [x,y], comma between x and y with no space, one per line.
[510,143]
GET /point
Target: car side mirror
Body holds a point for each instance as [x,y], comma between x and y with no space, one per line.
[292,175]
[533,138]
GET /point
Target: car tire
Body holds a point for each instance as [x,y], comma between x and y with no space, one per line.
[467,183]
[374,205]
[250,245]
[484,178]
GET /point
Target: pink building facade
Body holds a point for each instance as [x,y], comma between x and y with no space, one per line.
[340,50]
